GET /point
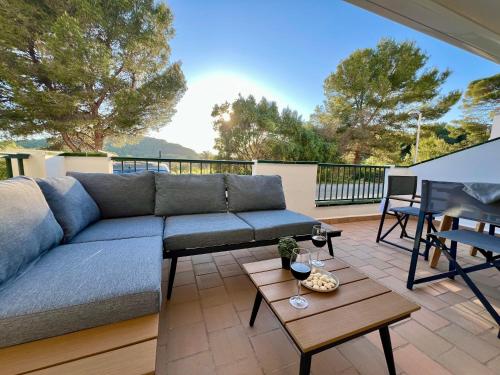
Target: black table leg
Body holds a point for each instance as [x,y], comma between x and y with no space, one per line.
[385,336]
[330,246]
[256,305]
[305,364]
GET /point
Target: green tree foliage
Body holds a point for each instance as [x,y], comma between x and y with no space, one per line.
[85,70]
[441,139]
[436,139]
[207,155]
[369,97]
[251,130]
[481,100]
[3,169]
[431,145]
[468,133]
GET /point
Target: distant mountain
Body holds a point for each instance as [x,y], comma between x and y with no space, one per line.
[147,147]
[39,143]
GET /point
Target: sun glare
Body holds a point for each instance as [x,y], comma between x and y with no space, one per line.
[192,124]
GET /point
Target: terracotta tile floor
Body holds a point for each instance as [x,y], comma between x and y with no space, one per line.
[204,328]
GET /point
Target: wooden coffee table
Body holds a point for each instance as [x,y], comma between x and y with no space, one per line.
[359,306]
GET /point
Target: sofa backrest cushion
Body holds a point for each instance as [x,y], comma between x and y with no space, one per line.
[28,227]
[72,206]
[254,193]
[189,194]
[120,195]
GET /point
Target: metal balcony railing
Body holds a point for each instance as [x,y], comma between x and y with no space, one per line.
[181,166]
[349,183]
[6,170]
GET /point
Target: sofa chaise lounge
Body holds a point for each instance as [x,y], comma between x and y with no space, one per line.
[86,250]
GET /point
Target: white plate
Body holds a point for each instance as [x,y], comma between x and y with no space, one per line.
[324,272]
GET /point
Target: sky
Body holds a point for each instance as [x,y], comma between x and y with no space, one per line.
[282,50]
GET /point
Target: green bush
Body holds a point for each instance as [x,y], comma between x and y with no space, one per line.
[3,169]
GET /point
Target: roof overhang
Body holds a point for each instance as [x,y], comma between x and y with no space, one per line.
[473,25]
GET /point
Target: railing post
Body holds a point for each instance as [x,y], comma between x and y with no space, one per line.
[353,182]
[20,165]
[8,163]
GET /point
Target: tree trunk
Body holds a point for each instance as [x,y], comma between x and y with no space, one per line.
[357,156]
[68,142]
[98,140]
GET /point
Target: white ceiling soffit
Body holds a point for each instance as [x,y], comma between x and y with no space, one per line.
[473,25]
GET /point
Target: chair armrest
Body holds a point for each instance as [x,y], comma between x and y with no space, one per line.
[400,198]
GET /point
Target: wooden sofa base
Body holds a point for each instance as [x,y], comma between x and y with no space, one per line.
[125,348]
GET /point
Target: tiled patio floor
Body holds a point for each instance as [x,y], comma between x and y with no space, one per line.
[204,328]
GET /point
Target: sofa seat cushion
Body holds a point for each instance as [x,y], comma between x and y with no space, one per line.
[120,195]
[28,227]
[72,206]
[125,227]
[78,286]
[203,230]
[277,223]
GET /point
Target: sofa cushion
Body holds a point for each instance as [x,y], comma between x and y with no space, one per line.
[254,193]
[124,227]
[189,194]
[120,195]
[28,227]
[277,223]
[80,286]
[203,230]
[72,206]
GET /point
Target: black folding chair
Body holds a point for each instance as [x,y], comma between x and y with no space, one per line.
[397,188]
[450,199]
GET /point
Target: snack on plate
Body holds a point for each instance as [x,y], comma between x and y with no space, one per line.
[320,282]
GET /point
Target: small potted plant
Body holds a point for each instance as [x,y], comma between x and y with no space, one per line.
[285,248]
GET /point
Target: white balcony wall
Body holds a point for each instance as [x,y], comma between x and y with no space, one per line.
[299,185]
[95,164]
[54,166]
[476,164]
[34,166]
[43,163]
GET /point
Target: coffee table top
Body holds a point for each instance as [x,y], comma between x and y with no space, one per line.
[360,305]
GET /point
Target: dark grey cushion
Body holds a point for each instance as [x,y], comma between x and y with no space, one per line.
[120,195]
[124,227]
[28,227]
[203,230]
[72,206]
[277,223]
[80,286]
[189,194]
[254,193]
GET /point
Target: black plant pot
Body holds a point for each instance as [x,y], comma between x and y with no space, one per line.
[285,263]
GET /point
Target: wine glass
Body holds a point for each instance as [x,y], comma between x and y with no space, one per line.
[319,240]
[300,265]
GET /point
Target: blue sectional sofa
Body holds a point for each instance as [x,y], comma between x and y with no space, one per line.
[87,249]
